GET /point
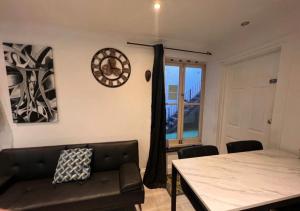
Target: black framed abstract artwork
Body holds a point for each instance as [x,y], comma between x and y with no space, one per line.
[31,85]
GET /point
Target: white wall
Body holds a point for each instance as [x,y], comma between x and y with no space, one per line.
[87,111]
[6,139]
[211,103]
[286,117]
[90,112]
[287,104]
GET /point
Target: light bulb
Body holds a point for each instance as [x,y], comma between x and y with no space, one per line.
[156,5]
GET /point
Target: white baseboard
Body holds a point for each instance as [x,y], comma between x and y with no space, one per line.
[6,146]
[143,172]
[169,170]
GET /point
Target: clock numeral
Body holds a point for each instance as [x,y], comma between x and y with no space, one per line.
[125,62]
[118,82]
[110,83]
[126,70]
[104,54]
[112,52]
[103,80]
[95,66]
[124,77]
[97,73]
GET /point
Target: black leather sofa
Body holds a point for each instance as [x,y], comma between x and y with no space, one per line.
[26,179]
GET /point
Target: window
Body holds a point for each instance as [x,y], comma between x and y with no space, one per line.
[184,84]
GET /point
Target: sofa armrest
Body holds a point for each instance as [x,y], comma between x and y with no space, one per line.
[130,177]
[5,182]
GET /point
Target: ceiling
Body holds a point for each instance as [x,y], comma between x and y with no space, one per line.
[197,23]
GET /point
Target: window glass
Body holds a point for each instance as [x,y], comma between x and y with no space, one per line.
[192,84]
[191,121]
[172,92]
[183,89]
[172,121]
[172,84]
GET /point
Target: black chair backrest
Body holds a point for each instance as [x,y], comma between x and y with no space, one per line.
[243,146]
[197,151]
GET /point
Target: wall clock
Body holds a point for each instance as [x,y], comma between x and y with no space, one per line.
[111,67]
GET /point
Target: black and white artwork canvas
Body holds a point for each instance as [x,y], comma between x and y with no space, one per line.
[30,82]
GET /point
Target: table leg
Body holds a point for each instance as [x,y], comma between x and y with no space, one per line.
[174,181]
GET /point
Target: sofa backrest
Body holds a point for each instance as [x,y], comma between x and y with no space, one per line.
[40,162]
[110,156]
[29,163]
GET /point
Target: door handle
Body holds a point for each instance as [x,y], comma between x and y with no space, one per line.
[269,121]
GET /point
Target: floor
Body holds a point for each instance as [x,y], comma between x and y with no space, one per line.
[160,200]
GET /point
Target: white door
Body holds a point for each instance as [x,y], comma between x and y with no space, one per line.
[248,101]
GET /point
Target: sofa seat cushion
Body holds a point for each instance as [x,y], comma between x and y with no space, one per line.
[5,182]
[37,194]
[130,178]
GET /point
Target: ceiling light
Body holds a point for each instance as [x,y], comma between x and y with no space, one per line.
[245,23]
[156,5]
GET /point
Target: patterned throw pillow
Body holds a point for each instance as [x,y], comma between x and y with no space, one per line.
[73,165]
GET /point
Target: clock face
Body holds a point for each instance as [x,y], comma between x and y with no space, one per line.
[111,67]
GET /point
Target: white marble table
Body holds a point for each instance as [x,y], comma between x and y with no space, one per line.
[241,181]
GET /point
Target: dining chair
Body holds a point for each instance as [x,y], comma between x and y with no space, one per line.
[190,152]
[293,207]
[244,146]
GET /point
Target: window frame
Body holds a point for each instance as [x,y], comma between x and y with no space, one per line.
[179,141]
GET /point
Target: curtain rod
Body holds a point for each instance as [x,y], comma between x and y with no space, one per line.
[174,49]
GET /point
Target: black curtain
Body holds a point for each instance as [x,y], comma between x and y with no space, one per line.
[155,174]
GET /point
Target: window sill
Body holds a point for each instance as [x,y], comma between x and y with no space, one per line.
[177,147]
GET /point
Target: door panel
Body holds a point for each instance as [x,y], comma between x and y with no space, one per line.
[248,101]
[259,105]
[234,109]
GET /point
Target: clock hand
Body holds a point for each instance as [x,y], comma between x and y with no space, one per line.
[109,67]
[109,63]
